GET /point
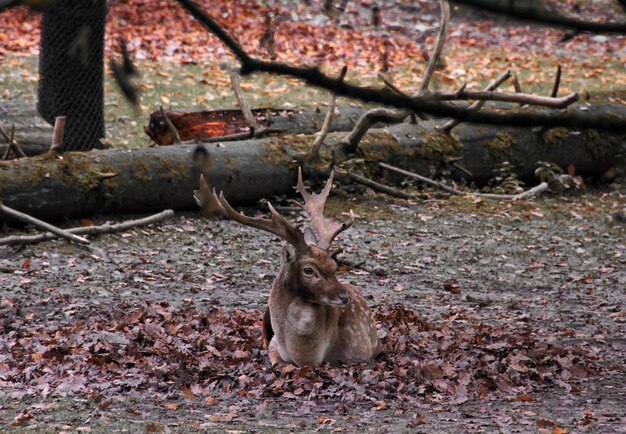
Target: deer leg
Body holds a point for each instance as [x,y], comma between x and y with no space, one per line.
[274,353]
[268,332]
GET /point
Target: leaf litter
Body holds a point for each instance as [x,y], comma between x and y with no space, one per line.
[154,348]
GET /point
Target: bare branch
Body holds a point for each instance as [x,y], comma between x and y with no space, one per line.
[365,123]
[479,104]
[557,83]
[328,120]
[522,98]
[532,192]
[261,132]
[12,144]
[315,77]
[529,11]
[441,39]
[42,225]
[243,104]
[88,230]
[170,125]
[376,185]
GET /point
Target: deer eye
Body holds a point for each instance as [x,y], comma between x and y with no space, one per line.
[308,271]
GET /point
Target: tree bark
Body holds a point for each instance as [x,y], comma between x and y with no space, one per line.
[143,180]
[32,133]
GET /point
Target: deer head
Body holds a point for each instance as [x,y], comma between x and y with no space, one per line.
[311,317]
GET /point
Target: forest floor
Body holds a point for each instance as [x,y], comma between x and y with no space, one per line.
[498,317]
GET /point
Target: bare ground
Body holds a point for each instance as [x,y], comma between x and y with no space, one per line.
[556,264]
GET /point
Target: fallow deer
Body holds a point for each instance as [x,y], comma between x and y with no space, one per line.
[311,317]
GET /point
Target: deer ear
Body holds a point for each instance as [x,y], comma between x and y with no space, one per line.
[310,236]
[288,256]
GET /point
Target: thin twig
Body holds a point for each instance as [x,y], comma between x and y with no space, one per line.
[365,122]
[386,78]
[532,192]
[239,136]
[42,225]
[88,230]
[441,39]
[328,120]
[12,143]
[557,82]
[522,98]
[447,127]
[516,84]
[376,185]
[243,104]
[170,125]
[553,94]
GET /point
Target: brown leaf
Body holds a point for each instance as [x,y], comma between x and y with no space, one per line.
[452,286]
[152,427]
[22,418]
[525,398]
[188,393]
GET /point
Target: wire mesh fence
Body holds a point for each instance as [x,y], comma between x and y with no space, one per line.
[71,70]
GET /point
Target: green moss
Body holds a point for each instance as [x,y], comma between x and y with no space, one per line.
[499,147]
[438,146]
[554,136]
[142,172]
[89,179]
[169,169]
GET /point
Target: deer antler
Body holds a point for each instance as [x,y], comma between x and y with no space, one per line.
[276,224]
[322,230]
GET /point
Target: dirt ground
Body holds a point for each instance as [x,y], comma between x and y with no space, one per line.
[556,263]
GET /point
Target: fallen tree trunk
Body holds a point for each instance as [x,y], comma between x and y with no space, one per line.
[201,125]
[32,133]
[142,180]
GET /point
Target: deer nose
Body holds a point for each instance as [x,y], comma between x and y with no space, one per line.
[345,299]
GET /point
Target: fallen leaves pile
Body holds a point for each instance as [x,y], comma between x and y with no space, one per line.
[303,34]
[155,348]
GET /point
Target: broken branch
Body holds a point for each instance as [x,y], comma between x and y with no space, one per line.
[170,125]
[441,39]
[376,185]
[243,104]
[328,120]
[522,98]
[57,134]
[42,225]
[479,104]
[532,192]
[88,230]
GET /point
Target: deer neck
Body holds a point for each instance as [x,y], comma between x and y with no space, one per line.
[304,330]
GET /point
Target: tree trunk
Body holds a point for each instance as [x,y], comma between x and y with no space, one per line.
[142,180]
[71,70]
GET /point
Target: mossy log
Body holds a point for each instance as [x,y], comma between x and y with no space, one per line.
[149,179]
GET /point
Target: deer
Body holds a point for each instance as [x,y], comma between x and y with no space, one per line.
[311,317]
